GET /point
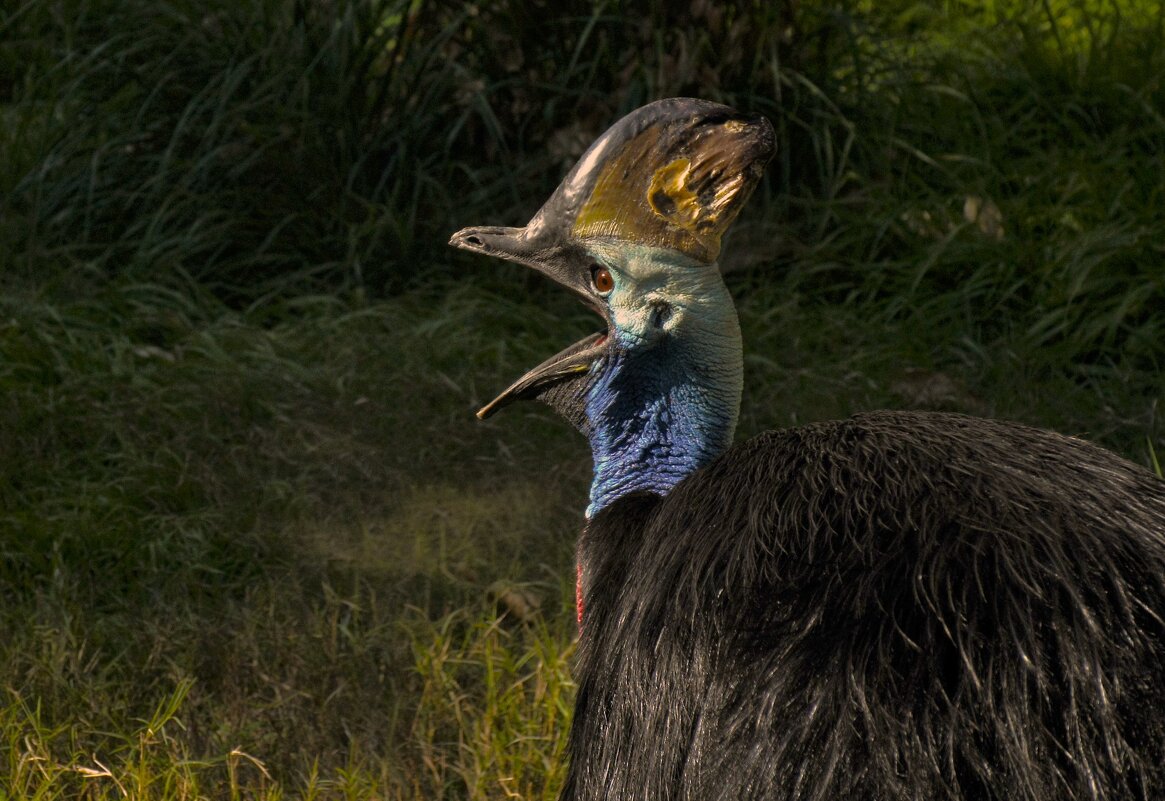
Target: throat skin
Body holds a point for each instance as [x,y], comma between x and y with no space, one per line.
[666,398]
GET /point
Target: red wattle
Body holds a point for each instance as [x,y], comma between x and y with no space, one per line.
[578,599]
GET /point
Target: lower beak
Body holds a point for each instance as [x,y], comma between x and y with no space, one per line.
[573,362]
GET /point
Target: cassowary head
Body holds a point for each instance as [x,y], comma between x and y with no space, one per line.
[634,230]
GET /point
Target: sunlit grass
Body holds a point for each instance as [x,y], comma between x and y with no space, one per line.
[492,707]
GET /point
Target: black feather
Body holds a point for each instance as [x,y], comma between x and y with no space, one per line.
[895,606]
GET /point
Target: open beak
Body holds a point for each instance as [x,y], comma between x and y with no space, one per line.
[672,174]
[552,260]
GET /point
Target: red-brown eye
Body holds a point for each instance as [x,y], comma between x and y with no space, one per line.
[601,279]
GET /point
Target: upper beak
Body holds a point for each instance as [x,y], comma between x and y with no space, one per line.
[495,240]
[532,247]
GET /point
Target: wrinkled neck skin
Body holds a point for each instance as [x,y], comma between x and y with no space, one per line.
[666,397]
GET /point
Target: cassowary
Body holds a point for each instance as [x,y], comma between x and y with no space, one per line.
[901,605]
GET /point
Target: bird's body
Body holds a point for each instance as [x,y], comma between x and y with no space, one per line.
[896,606]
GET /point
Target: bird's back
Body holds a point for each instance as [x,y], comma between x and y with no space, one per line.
[895,606]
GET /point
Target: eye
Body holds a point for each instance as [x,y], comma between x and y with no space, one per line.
[601,279]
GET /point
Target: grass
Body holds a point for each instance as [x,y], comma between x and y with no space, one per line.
[253,543]
[492,704]
[237,516]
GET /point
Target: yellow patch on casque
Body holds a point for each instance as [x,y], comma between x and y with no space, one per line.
[686,204]
[670,197]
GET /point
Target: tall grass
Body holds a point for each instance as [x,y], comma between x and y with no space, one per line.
[250,145]
[253,543]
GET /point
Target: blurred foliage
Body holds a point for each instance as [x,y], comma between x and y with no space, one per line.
[272,147]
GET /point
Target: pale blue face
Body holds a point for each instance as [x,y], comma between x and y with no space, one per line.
[663,398]
[661,293]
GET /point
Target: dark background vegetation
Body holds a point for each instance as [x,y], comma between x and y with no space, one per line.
[252,542]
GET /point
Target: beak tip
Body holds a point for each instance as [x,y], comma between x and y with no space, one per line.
[465,240]
[513,244]
[487,411]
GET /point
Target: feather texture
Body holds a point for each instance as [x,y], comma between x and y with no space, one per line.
[895,606]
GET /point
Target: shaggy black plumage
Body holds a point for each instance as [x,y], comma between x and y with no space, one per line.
[895,606]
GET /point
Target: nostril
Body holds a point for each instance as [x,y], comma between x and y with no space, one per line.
[660,314]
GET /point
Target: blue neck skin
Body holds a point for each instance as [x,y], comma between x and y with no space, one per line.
[665,398]
[651,425]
